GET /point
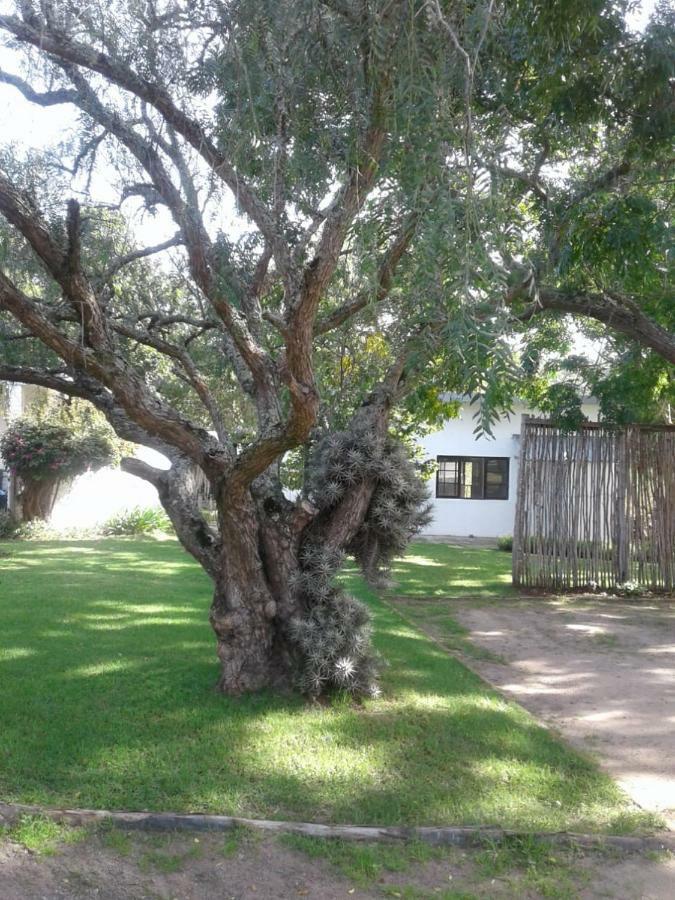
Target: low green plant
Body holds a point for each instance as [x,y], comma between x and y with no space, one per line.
[39,530]
[531,863]
[505,543]
[629,589]
[8,525]
[136,521]
[234,839]
[41,835]
[167,853]
[116,840]
[362,863]
[35,530]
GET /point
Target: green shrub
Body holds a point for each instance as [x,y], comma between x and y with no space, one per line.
[505,543]
[39,530]
[35,530]
[138,520]
[8,525]
[629,589]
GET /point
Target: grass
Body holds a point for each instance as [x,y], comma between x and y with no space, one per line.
[528,866]
[362,863]
[41,835]
[439,570]
[106,672]
[435,619]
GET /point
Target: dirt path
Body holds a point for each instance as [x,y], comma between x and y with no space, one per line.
[137,866]
[601,672]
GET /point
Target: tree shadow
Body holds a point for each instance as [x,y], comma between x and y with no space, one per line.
[106,700]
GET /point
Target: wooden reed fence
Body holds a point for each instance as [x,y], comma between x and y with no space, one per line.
[595,507]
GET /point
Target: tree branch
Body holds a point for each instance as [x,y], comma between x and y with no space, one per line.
[63,267]
[54,380]
[193,376]
[47,98]
[140,404]
[385,278]
[128,258]
[619,313]
[60,46]
[530,182]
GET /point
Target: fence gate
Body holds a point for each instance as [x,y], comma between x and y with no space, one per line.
[595,507]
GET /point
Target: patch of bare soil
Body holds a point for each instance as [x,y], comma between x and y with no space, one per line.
[601,672]
[138,866]
[149,867]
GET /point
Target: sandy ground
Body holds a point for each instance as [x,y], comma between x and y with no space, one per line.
[600,671]
[136,869]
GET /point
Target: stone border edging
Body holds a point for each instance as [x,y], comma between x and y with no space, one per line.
[464,836]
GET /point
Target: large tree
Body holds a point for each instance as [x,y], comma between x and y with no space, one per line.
[368,197]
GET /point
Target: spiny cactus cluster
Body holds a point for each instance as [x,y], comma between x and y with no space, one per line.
[399,507]
[334,638]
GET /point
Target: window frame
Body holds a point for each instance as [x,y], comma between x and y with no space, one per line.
[505,463]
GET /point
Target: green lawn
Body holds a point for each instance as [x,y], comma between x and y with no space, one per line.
[106,672]
[437,570]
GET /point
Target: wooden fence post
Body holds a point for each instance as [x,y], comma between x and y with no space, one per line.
[517,555]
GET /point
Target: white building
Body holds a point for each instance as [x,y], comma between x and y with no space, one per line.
[474,489]
[94,496]
[17,401]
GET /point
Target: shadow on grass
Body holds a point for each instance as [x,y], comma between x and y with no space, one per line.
[106,668]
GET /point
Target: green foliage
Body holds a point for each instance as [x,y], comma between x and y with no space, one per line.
[40,451]
[39,530]
[35,530]
[138,521]
[505,543]
[41,835]
[8,525]
[618,241]
[564,91]
[560,401]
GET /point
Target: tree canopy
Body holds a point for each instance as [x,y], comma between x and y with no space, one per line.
[357,205]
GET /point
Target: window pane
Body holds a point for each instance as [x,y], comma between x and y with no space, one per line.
[474,478]
[466,481]
[497,479]
[447,478]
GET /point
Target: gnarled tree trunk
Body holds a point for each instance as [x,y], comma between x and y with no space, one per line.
[244,614]
[37,499]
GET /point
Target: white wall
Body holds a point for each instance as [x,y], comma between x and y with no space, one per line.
[96,496]
[481,518]
[14,408]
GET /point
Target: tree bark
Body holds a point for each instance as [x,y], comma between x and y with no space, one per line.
[37,499]
[244,610]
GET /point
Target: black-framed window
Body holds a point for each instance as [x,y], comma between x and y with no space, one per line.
[472,477]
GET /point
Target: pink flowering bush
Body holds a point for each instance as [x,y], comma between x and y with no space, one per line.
[39,450]
[45,455]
